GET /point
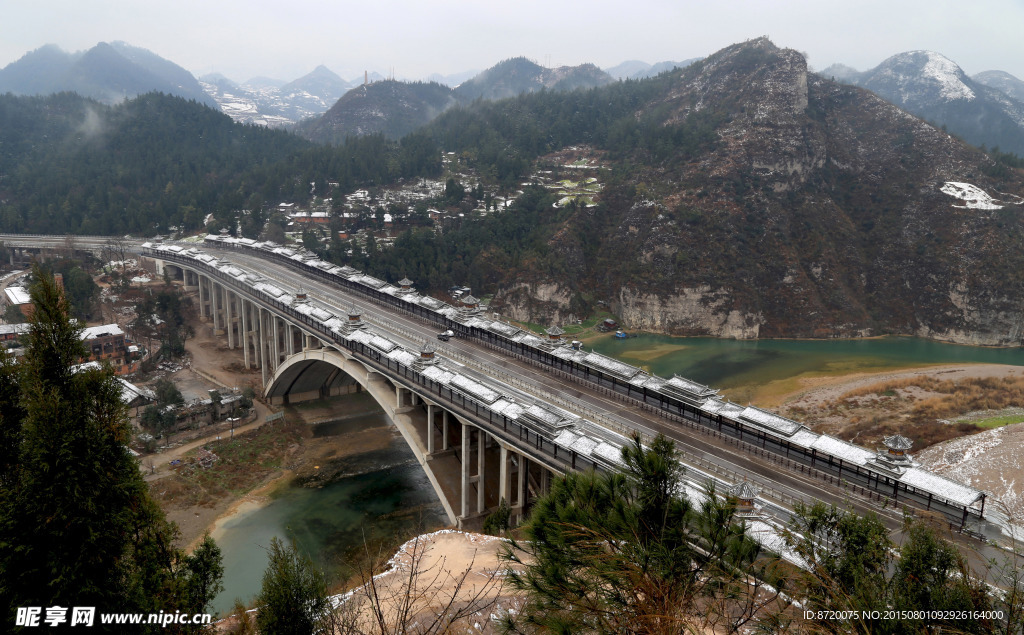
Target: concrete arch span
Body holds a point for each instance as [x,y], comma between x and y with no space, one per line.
[313,374]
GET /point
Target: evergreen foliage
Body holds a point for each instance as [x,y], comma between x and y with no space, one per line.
[293,598]
[626,552]
[77,524]
[854,566]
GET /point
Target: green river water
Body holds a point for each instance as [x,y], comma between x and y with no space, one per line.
[748,369]
[386,501]
[390,496]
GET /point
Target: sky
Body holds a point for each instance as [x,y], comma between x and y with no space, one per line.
[411,39]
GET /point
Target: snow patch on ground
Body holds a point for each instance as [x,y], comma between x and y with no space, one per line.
[992,461]
[974,196]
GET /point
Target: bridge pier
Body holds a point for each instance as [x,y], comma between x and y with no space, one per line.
[243,323]
[228,320]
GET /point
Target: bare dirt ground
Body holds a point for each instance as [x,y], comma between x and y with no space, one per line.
[865,407]
[446,572]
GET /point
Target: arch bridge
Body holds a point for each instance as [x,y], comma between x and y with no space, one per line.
[479,441]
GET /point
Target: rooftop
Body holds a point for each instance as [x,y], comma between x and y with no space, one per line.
[17,295]
[102,330]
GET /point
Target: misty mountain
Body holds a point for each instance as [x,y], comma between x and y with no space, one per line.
[397,108]
[453,79]
[627,69]
[661,67]
[1003,81]
[519,75]
[259,82]
[934,88]
[107,72]
[390,107]
[266,102]
[321,84]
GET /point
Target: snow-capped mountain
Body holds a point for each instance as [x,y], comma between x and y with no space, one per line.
[1003,81]
[269,103]
[934,88]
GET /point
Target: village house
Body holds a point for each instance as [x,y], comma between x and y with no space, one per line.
[107,343]
[19,297]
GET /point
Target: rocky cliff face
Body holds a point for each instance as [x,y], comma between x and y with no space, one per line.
[821,210]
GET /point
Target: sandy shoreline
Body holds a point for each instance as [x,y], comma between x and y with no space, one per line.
[816,391]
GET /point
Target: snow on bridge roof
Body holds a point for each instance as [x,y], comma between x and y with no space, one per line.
[843,450]
[940,486]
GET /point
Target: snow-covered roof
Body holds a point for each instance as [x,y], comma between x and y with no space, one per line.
[769,420]
[613,366]
[474,388]
[842,449]
[940,486]
[103,330]
[17,295]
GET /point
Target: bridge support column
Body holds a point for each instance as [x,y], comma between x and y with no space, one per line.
[481,452]
[261,341]
[521,477]
[291,338]
[444,430]
[465,471]
[275,332]
[202,304]
[243,314]
[430,429]
[215,306]
[504,488]
[228,296]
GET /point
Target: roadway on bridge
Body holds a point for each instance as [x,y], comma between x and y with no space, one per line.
[412,333]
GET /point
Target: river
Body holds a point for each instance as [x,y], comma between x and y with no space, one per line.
[387,500]
[759,371]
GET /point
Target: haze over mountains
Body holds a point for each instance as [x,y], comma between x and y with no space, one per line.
[397,108]
[987,109]
[984,110]
[108,73]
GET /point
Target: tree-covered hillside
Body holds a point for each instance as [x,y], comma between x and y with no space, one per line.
[72,165]
[747,197]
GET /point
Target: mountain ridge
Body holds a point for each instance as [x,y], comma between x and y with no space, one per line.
[108,72]
[789,206]
[935,88]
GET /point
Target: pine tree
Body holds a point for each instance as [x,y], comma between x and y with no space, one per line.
[77,524]
[628,552]
[293,598]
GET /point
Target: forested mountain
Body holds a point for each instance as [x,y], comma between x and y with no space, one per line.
[108,73]
[747,197]
[519,75]
[935,88]
[389,107]
[396,108]
[70,164]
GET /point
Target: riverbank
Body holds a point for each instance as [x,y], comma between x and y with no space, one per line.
[250,466]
